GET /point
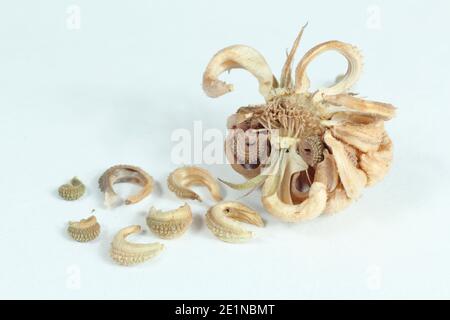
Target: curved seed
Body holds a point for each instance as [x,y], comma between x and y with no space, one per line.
[171,224]
[223,221]
[126,253]
[73,190]
[85,230]
[124,174]
[180,181]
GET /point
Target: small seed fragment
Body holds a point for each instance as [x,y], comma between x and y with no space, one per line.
[73,190]
[85,230]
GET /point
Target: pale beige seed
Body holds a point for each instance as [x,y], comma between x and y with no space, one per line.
[126,253]
[223,221]
[85,230]
[124,174]
[73,190]
[242,57]
[180,181]
[170,224]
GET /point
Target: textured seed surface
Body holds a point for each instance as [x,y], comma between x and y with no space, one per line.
[171,224]
[127,254]
[180,181]
[85,230]
[124,174]
[223,221]
[73,190]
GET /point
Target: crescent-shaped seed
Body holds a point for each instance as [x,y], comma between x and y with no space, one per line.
[85,230]
[223,221]
[73,190]
[126,253]
[180,181]
[124,174]
[171,224]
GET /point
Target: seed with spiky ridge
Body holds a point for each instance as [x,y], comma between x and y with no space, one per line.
[85,230]
[126,253]
[180,181]
[73,190]
[171,224]
[223,221]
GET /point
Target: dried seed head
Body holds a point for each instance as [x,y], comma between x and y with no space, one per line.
[291,120]
[340,139]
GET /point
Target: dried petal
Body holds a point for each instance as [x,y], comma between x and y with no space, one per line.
[353,179]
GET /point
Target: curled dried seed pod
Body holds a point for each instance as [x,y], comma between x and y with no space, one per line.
[181,179]
[122,174]
[126,253]
[223,221]
[310,174]
[85,230]
[171,224]
[73,190]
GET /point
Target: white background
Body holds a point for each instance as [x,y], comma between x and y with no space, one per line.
[74,101]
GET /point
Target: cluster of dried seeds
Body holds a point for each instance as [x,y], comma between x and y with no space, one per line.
[180,181]
[325,147]
[165,224]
